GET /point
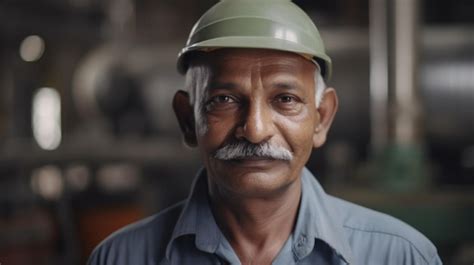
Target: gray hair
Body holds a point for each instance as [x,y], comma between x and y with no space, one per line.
[243,149]
[197,77]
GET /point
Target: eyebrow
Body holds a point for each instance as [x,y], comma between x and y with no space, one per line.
[283,85]
[287,85]
[221,86]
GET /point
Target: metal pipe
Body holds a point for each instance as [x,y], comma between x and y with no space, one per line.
[378,74]
[406,94]
[399,154]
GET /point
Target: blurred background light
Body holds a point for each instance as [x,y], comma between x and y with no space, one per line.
[47,182]
[78,177]
[119,177]
[450,77]
[46,118]
[32,48]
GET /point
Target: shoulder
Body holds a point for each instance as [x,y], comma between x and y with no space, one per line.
[369,230]
[142,242]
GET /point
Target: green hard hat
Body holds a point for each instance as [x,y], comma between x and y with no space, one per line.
[267,24]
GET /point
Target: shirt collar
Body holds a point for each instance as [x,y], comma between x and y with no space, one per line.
[317,219]
[197,219]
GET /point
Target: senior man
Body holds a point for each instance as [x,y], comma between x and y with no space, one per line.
[255,106]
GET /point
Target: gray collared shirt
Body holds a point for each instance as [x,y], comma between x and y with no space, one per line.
[328,231]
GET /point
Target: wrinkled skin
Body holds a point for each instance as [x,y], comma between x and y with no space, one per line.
[256,95]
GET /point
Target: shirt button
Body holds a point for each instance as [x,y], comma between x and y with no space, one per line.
[301,241]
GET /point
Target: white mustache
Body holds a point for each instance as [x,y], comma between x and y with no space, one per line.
[245,149]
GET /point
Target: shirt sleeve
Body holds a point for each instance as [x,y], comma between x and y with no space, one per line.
[436,260]
[93,259]
[99,257]
[108,254]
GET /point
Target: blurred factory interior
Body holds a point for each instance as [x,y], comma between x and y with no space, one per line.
[89,143]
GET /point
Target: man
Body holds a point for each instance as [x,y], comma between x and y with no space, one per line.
[255,106]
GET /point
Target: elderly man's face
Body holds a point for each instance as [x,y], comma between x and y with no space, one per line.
[260,119]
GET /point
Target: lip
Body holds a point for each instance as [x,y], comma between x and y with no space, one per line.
[254,158]
[254,162]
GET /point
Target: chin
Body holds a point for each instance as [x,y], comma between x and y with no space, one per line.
[255,183]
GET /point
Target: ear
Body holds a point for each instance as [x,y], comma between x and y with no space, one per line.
[326,112]
[185,114]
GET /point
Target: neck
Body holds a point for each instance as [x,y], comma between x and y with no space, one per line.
[257,227]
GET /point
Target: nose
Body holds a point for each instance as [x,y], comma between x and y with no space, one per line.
[256,123]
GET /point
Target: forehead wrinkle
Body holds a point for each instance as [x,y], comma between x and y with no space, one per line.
[250,68]
[229,66]
[232,80]
[286,85]
[289,82]
[285,74]
[216,85]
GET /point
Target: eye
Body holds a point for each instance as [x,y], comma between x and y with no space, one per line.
[286,99]
[221,99]
[220,102]
[289,104]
